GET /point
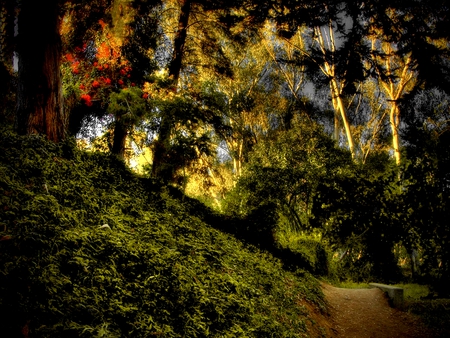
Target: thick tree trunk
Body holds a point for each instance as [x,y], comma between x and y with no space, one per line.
[161,144]
[7,99]
[7,16]
[39,95]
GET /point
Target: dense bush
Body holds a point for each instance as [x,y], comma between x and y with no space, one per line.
[88,249]
[361,215]
[277,190]
[308,250]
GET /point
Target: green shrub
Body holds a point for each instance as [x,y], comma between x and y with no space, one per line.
[90,250]
[310,250]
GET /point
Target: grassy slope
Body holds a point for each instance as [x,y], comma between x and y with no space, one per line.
[155,269]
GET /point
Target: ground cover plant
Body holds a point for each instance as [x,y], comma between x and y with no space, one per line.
[88,249]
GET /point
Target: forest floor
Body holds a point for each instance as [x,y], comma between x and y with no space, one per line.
[365,313]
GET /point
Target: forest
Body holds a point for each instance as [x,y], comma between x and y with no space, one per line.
[195,167]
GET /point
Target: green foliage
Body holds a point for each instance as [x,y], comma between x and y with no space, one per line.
[128,101]
[361,214]
[285,170]
[89,249]
[426,197]
[310,249]
[277,190]
[187,121]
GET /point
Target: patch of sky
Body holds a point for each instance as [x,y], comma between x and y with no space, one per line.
[223,153]
[94,126]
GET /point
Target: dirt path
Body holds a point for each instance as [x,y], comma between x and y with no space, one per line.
[365,313]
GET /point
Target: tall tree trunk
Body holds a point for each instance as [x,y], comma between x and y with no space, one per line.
[399,79]
[394,121]
[327,43]
[120,137]
[180,41]
[341,108]
[7,16]
[161,144]
[39,93]
[7,99]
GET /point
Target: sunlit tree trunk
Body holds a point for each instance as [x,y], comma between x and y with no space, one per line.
[39,97]
[394,121]
[327,44]
[341,112]
[395,92]
[236,148]
[398,80]
[371,137]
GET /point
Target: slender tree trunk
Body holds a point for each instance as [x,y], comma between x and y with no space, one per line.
[337,129]
[164,135]
[237,161]
[180,41]
[240,158]
[39,94]
[400,68]
[328,43]
[339,107]
[394,120]
[119,140]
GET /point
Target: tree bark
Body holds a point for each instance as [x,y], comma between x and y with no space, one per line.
[329,69]
[7,16]
[120,137]
[7,99]
[39,93]
[180,41]
[164,135]
[394,121]
[339,106]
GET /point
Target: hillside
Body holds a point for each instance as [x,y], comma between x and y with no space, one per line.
[88,249]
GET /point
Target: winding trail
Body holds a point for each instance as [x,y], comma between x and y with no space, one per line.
[365,313]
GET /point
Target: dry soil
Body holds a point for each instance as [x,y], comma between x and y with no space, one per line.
[366,313]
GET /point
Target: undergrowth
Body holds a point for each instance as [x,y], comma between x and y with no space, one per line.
[434,312]
[88,249]
[308,248]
